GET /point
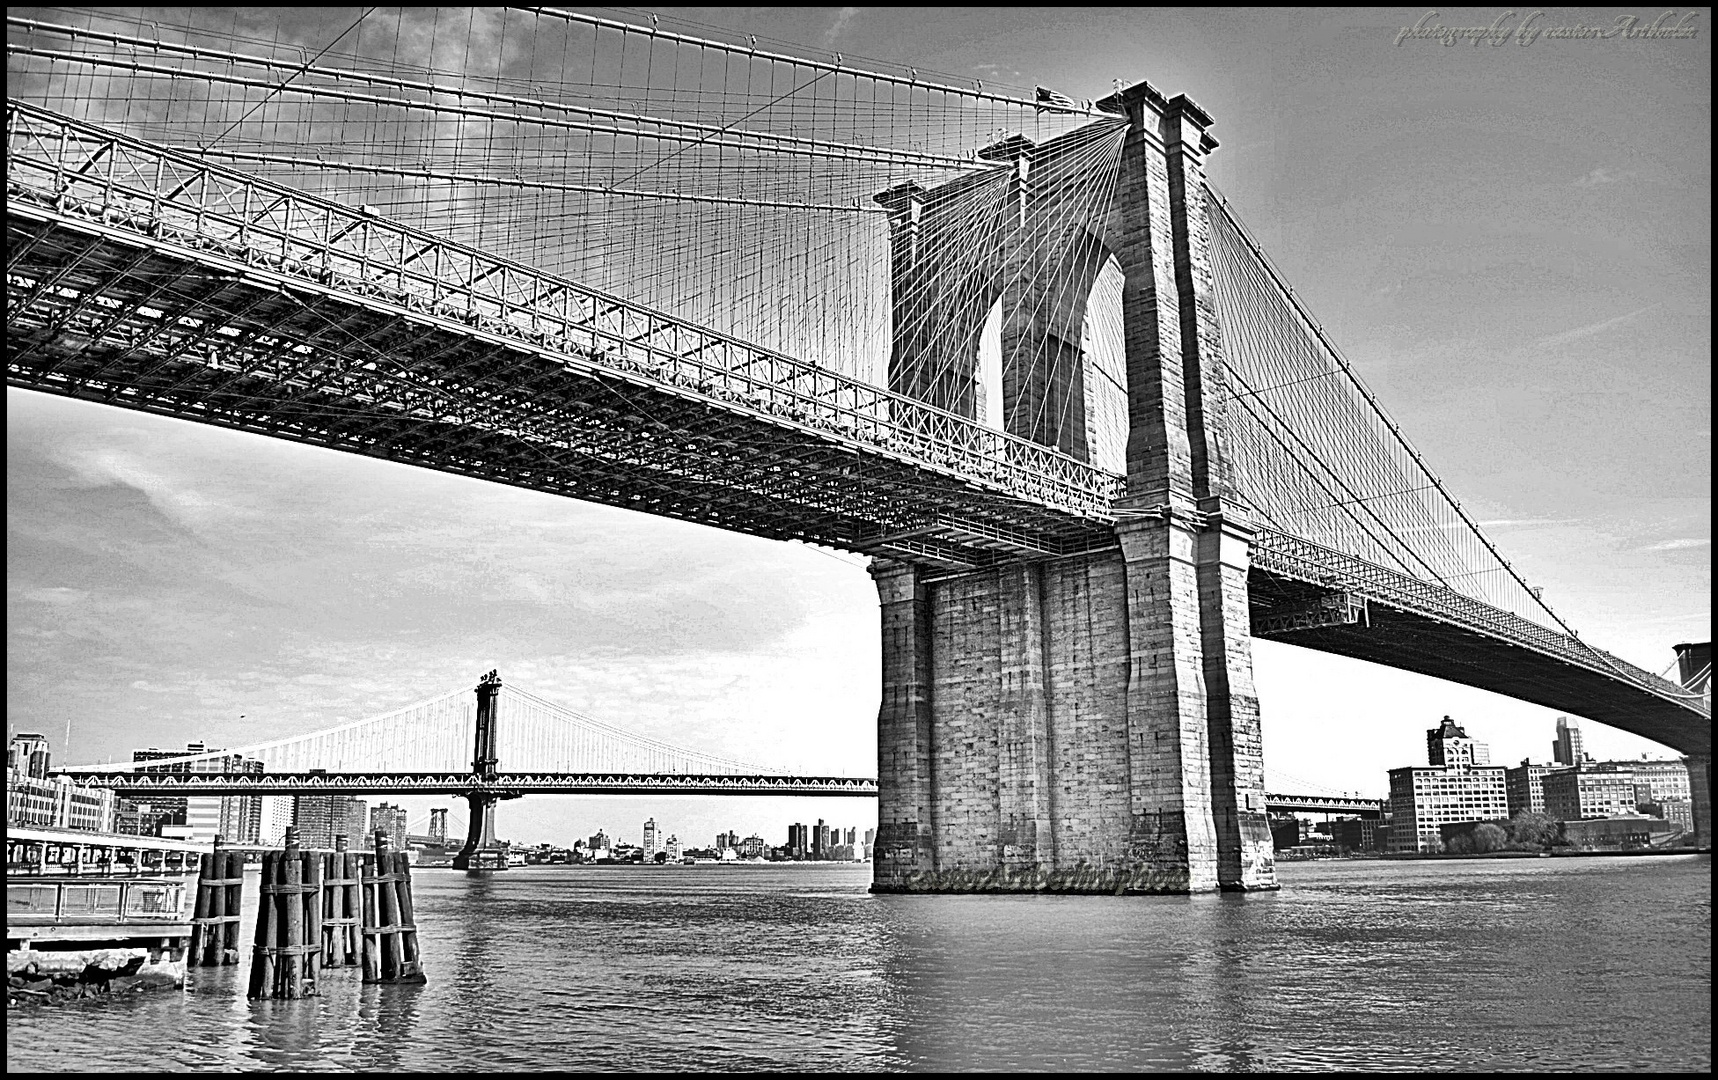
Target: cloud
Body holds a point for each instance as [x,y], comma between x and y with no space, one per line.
[1601,176]
[1580,332]
[56,596]
[1681,544]
[836,28]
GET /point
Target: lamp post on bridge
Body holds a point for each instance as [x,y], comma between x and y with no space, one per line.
[481,852]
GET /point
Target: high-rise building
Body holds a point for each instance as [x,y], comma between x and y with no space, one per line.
[28,755]
[1566,750]
[752,847]
[357,818]
[388,818]
[203,817]
[322,818]
[798,841]
[850,837]
[651,838]
[599,843]
[820,841]
[672,847]
[1448,744]
[276,816]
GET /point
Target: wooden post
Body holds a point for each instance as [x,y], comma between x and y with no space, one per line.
[201,928]
[292,904]
[235,875]
[215,908]
[262,953]
[351,912]
[311,903]
[413,966]
[393,952]
[372,944]
[340,943]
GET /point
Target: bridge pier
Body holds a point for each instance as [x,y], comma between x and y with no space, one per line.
[1089,723]
[481,851]
[1700,796]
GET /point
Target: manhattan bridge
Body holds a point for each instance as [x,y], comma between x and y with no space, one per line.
[1015,347]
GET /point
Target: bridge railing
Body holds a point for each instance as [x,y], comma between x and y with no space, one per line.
[1294,557]
[75,168]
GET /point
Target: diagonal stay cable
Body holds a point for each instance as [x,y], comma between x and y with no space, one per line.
[301,70]
[723,129]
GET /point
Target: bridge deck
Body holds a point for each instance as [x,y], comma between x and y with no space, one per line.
[503,785]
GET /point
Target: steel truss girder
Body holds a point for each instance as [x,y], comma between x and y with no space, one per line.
[501,785]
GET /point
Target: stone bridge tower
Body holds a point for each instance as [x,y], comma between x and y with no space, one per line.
[1086,723]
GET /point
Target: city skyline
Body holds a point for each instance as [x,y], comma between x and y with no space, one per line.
[168,582]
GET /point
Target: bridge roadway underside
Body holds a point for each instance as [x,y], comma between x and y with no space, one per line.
[1411,641]
[105,315]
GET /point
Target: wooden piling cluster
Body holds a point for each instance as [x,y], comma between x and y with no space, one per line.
[322,909]
[215,919]
[341,941]
[390,930]
[286,961]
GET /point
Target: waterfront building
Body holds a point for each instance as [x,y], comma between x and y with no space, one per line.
[1664,778]
[651,838]
[1525,784]
[798,841]
[597,843]
[33,798]
[1566,749]
[1630,831]
[820,841]
[388,818]
[1679,812]
[58,802]
[1448,744]
[1424,798]
[1581,793]
[1358,834]
[752,847]
[672,847]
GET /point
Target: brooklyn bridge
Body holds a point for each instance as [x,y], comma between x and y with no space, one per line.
[1018,350]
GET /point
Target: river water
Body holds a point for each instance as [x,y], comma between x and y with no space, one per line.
[1462,965]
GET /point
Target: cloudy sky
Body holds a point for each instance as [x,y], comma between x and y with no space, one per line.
[1510,242]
